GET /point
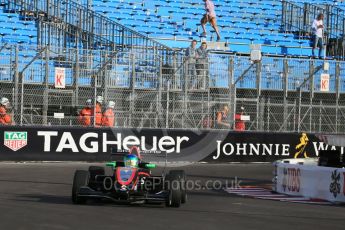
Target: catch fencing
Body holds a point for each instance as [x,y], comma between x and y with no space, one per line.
[171,91]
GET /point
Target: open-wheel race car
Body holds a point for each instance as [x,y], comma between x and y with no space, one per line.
[131,181]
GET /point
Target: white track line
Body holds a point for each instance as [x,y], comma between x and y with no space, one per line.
[265,194]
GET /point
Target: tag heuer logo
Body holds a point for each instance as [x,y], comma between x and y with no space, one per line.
[15,140]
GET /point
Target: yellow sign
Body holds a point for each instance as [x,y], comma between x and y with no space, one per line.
[302,146]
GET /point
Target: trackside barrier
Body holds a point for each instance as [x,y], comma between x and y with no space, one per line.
[336,140]
[311,181]
[49,143]
[302,161]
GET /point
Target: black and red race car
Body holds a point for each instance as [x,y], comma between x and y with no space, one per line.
[130,181]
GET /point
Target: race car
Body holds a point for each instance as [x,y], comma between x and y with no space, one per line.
[131,181]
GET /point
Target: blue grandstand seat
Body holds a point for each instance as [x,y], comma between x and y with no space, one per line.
[15,31]
[175,23]
[249,21]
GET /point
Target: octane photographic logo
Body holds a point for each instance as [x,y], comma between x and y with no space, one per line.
[110,184]
[15,140]
[334,187]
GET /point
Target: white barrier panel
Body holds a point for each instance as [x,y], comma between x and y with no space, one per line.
[335,140]
[310,181]
[302,161]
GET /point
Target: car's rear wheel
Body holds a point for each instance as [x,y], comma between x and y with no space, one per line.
[81,178]
[173,183]
[182,176]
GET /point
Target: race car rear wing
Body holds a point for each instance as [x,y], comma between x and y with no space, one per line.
[118,152]
[123,152]
[114,164]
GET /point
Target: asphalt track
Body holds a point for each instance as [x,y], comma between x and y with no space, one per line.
[37,196]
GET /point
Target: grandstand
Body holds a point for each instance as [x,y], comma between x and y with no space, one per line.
[175,22]
[241,23]
[132,52]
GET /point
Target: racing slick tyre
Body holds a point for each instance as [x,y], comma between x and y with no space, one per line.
[173,184]
[182,175]
[81,178]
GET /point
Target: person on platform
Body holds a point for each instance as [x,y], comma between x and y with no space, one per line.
[85,114]
[108,118]
[5,116]
[210,16]
[191,50]
[191,62]
[202,66]
[318,30]
[97,113]
[222,118]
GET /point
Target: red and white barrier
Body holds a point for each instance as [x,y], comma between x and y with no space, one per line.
[310,180]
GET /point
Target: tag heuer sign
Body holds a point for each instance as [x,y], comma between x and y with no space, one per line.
[15,140]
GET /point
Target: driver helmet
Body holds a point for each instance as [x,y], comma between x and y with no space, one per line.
[131,160]
[135,150]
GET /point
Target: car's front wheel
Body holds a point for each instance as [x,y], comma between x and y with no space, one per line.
[81,178]
[173,185]
[182,176]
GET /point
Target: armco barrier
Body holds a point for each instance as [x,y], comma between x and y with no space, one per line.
[24,143]
[310,181]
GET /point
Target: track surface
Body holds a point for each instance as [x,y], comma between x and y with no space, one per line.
[37,196]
